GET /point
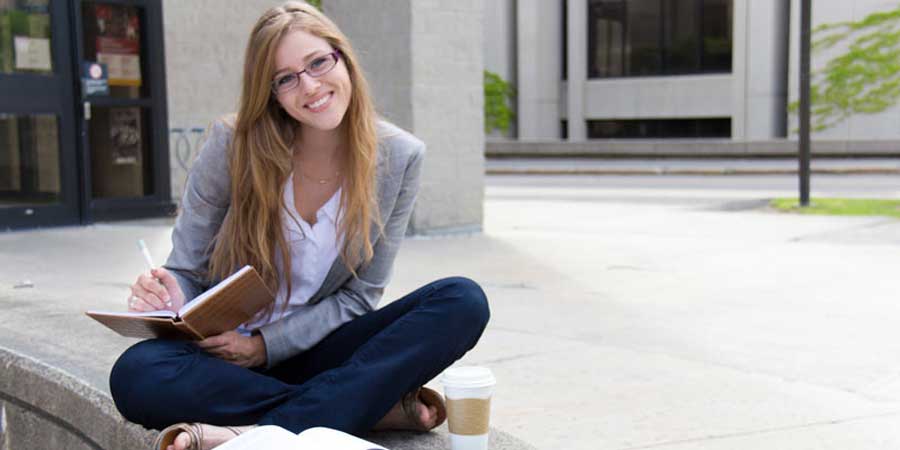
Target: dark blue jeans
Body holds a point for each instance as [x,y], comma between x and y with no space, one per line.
[348,381]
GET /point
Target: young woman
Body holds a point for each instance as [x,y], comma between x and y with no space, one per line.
[309,187]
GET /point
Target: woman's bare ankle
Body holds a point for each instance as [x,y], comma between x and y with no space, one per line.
[397,419]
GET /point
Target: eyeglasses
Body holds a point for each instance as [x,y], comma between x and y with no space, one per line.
[316,68]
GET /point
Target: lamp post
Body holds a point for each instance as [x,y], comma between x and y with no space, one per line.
[804,153]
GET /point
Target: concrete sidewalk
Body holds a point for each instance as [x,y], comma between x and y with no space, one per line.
[615,324]
[686,166]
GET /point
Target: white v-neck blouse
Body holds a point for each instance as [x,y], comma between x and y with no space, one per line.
[314,250]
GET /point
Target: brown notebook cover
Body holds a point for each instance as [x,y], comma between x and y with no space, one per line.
[222,308]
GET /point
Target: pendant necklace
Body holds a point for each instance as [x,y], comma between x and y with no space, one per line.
[320,180]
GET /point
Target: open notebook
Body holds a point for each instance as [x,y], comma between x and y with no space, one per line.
[221,308]
[270,437]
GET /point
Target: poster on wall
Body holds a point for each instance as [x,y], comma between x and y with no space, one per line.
[32,54]
[118,43]
[125,135]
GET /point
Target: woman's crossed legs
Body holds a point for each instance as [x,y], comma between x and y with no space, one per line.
[349,381]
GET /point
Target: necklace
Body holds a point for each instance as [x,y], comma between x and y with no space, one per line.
[320,180]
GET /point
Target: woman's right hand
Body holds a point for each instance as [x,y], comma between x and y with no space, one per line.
[154,291]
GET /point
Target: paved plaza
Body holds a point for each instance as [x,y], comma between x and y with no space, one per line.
[624,316]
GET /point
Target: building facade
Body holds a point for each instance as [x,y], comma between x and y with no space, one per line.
[105,104]
[614,69]
[102,103]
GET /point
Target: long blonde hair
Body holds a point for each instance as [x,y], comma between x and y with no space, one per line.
[261,151]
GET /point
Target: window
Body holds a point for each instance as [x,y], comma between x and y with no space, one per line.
[659,128]
[29,159]
[112,36]
[630,38]
[565,40]
[25,38]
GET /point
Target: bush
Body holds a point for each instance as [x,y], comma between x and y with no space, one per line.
[498,96]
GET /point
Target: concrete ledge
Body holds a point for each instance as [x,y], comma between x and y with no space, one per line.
[47,408]
[712,148]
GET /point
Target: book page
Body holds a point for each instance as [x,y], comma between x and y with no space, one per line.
[321,438]
[142,326]
[271,437]
[161,313]
[266,437]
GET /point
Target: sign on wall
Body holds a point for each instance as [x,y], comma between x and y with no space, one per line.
[94,79]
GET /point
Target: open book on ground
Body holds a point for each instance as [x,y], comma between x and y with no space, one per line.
[222,308]
[270,437]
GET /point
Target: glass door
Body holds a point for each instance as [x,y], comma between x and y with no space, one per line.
[125,161]
[38,179]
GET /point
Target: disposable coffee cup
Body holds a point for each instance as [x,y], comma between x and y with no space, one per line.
[468,390]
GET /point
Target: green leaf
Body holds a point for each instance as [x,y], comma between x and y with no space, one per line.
[865,79]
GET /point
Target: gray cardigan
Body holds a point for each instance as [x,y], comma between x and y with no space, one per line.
[341,297]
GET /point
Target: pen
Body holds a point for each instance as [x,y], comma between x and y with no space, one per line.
[146,252]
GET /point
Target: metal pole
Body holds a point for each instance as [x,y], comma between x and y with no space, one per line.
[805,38]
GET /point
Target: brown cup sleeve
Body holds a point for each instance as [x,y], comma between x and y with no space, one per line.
[469,416]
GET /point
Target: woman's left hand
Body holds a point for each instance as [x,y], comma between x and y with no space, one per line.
[231,346]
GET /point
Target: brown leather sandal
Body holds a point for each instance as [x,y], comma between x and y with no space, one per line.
[167,436]
[430,398]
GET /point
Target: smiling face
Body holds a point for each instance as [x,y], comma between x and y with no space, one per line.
[319,103]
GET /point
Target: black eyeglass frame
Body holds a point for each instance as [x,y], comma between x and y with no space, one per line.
[335,56]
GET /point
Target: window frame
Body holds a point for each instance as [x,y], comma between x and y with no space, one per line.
[664,27]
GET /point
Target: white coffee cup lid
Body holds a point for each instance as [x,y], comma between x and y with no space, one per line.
[468,377]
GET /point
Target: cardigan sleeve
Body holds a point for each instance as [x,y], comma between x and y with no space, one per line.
[203,206]
[311,323]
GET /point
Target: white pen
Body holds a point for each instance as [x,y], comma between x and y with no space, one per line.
[146,252]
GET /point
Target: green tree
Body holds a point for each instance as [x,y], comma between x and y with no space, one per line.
[865,79]
[498,96]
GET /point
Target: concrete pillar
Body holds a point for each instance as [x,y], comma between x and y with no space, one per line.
[424,61]
[539,55]
[577,68]
[739,43]
[204,65]
[759,66]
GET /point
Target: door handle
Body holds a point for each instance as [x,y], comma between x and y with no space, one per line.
[87,110]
